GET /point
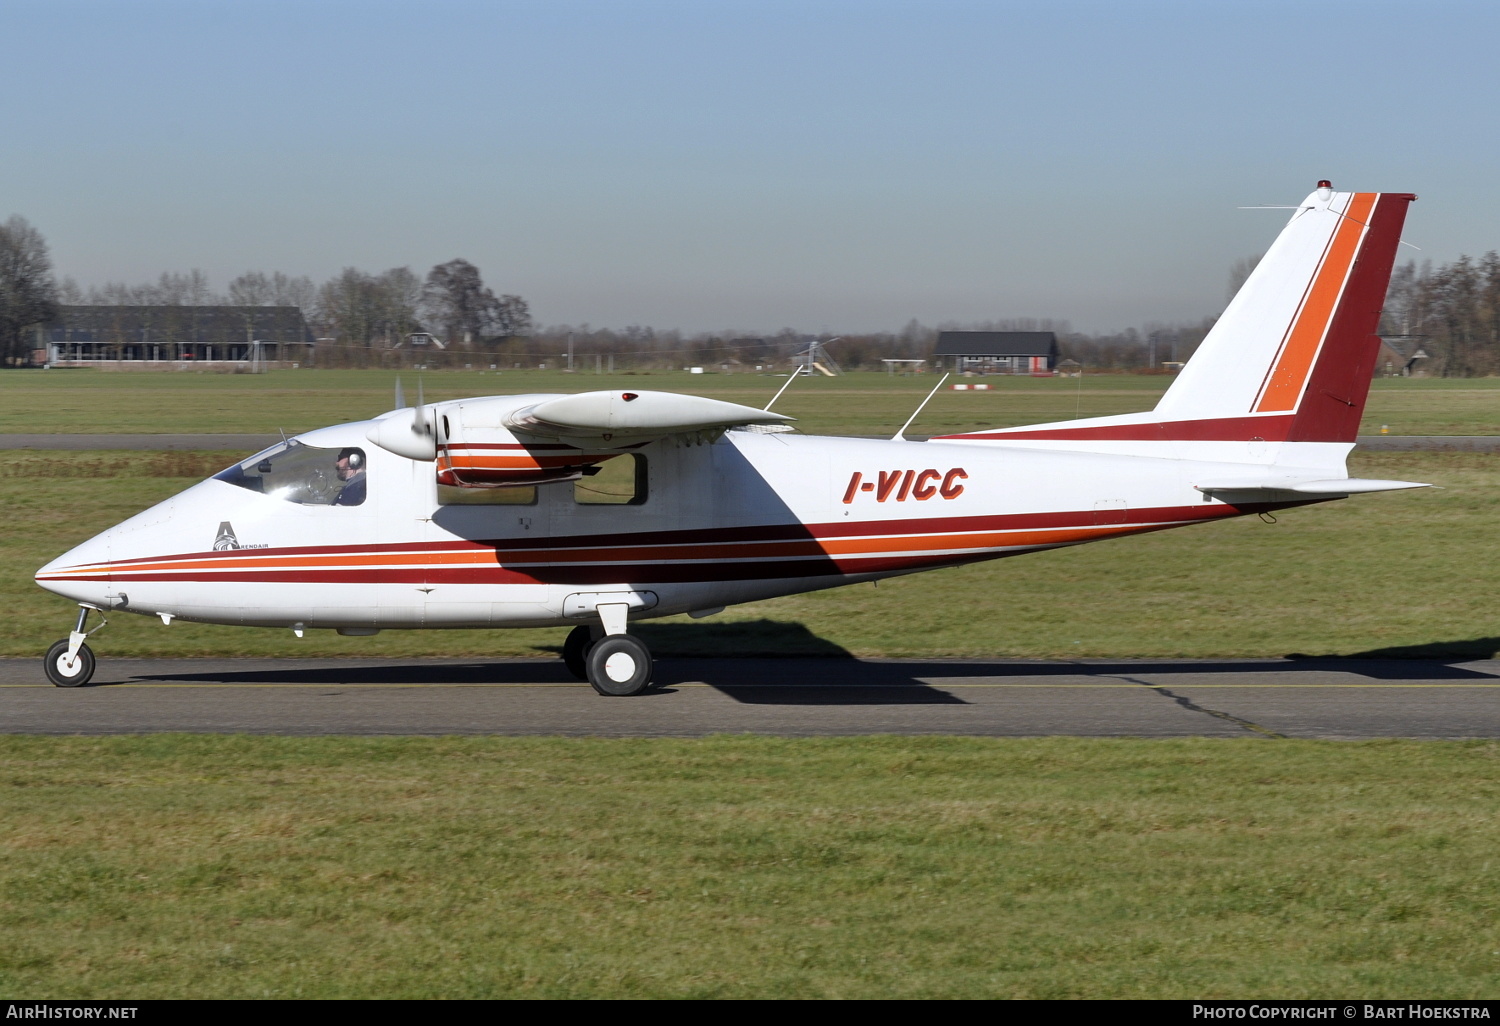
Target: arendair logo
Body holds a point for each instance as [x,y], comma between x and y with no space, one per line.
[226,538]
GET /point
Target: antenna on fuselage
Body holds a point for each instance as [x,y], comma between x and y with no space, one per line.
[789,379]
[897,436]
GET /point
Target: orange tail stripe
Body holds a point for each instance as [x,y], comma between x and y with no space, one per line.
[1284,387]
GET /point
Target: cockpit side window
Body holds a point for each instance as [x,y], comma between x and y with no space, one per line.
[304,474]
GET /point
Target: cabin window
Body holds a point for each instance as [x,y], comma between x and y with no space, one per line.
[621,481]
[448,495]
[304,474]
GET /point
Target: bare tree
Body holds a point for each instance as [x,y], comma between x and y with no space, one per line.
[346,307]
[28,294]
[190,288]
[369,310]
[69,293]
[512,317]
[256,288]
[288,291]
[252,288]
[457,303]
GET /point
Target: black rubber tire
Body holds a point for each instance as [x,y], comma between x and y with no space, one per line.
[619,666]
[83,666]
[576,651]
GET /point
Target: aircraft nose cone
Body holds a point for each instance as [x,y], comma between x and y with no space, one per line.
[80,574]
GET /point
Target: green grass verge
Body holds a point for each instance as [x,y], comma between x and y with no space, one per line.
[86,401]
[1394,573]
[217,867]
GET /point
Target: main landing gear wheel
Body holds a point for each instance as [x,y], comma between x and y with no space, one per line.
[67,674]
[576,651]
[619,665]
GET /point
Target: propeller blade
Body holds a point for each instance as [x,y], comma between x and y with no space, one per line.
[420,422]
[400,396]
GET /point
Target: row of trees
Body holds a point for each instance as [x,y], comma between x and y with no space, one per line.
[1450,312]
[354,309]
[1135,350]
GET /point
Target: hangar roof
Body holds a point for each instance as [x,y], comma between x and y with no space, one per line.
[996,343]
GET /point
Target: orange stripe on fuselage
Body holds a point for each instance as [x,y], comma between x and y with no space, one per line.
[1284,386]
[934,547]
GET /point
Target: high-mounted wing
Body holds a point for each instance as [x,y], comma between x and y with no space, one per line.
[621,418]
[502,441]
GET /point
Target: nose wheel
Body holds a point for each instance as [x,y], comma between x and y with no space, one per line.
[70,663]
[69,671]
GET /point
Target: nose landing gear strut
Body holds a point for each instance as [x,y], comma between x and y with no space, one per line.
[70,663]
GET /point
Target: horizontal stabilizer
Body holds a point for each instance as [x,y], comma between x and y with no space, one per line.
[632,416]
[1318,489]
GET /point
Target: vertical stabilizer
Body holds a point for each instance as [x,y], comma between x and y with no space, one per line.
[1295,348]
[1291,357]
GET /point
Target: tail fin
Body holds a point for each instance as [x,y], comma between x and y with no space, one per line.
[1292,356]
[1295,350]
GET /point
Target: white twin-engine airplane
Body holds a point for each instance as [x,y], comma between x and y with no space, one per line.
[601,508]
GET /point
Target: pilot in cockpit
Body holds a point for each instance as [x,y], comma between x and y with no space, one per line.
[351,471]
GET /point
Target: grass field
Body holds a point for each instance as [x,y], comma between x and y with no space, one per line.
[232,866]
[85,401]
[1370,573]
[221,867]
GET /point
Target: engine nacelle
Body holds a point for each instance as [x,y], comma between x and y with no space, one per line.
[512,440]
[476,449]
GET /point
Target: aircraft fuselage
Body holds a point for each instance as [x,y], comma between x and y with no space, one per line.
[721,519]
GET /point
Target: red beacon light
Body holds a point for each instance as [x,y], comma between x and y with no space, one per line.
[1325,184]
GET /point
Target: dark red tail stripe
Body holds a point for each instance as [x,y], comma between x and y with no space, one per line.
[1339,383]
[1229,429]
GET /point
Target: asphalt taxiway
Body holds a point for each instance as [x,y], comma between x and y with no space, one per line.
[1300,698]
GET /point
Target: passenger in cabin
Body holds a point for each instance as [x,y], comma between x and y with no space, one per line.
[351,471]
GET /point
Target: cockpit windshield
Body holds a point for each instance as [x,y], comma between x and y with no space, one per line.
[304,474]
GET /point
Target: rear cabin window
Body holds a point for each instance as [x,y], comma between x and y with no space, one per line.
[621,481]
[304,474]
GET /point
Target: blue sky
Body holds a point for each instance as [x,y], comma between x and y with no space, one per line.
[747,166]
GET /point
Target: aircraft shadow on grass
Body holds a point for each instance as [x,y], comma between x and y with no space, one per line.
[769,662]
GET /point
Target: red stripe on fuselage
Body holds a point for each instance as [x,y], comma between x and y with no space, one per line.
[667,557]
